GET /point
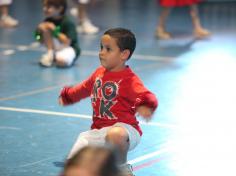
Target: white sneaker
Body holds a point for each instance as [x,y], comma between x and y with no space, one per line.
[126,170]
[47,59]
[87,27]
[8,21]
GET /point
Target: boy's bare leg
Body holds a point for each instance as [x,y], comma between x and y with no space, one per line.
[82,15]
[119,138]
[48,40]
[47,59]
[160,31]
[199,31]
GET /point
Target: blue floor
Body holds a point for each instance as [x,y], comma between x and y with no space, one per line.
[193,130]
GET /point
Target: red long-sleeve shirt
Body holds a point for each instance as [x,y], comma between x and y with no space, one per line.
[114,95]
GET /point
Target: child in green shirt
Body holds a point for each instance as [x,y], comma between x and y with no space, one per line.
[58,34]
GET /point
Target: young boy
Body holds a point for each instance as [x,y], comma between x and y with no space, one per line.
[59,35]
[117,94]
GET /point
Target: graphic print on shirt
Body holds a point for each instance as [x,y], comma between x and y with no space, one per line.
[103,98]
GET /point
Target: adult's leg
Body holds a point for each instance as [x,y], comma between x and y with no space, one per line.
[6,20]
[198,30]
[161,29]
[85,25]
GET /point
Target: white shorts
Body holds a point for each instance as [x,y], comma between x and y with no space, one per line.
[5,2]
[96,137]
[64,53]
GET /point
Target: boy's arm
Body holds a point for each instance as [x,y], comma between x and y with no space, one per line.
[70,95]
[148,99]
[68,34]
[62,37]
[145,100]
[146,110]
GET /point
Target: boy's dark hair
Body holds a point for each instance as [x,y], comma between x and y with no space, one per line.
[57,4]
[125,39]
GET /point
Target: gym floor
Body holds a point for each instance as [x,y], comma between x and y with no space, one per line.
[191,133]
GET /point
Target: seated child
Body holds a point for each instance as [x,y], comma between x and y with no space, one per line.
[58,34]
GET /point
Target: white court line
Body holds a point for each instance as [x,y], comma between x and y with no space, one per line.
[45,112]
[34,163]
[3,108]
[92,53]
[30,93]
[147,156]
[9,128]
[8,52]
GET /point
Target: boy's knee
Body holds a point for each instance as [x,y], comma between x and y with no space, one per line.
[43,27]
[117,136]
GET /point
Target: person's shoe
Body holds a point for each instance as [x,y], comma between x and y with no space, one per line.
[162,34]
[87,27]
[47,59]
[8,21]
[201,33]
[126,170]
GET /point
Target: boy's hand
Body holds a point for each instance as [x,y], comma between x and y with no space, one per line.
[145,112]
[60,101]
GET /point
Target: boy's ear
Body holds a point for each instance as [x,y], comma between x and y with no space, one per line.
[125,54]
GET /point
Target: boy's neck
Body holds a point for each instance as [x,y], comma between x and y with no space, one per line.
[118,69]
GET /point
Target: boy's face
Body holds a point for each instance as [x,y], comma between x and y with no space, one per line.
[110,55]
[51,11]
